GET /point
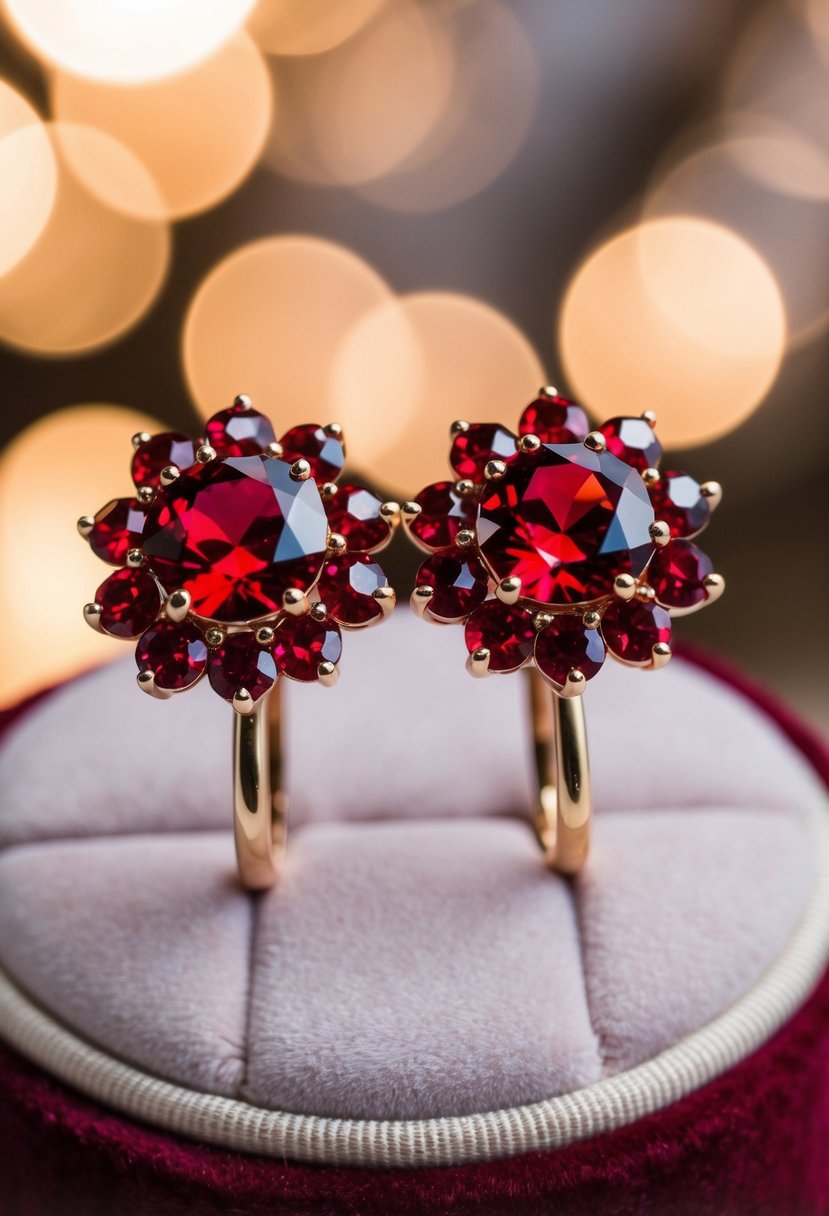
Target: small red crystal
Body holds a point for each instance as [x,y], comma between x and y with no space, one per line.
[677,574]
[354,512]
[240,662]
[443,513]
[303,642]
[239,431]
[347,585]
[566,645]
[678,501]
[157,453]
[325,453]
[473,448]
[175,654]
[632,628]
[505,630]
[554,419]
[632,440]
[129,601]
[460,584]
[117,529]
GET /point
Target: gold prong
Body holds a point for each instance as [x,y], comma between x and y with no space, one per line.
[477,664]
[145,495]
[714,585]
[574,685]
[85,525]
[624,585]
[328,674]
[334,431]
[420,599]
[711,491]
[661,655]
[494,470]
[509,590]
[300,470]
[459,427]
[464,487]
[390,512]
[465,538]
[645,593]
[243,401]
[135,559]
[596,441]
[265,635]
[328,491]
[548,390]
[274,450]
[177,605]
[410,511]
[528,444]
[591,620]
[205,453]
[660,533]
[169,475]
[92,616]
[649,417]
[141,437]
[318,611]
[295,602]
[386,597]
[541,620]
[146,682]
[650,476]
[242,701]
[215,636]
[337,543]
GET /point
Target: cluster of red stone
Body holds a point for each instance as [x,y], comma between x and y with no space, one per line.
[563,518]
[235,522]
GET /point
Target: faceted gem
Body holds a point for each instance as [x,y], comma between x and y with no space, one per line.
[302,643]
[117,529]
[240,662]
[239,431]
[677,574]
[678,500]
[473,449]
[129,601]
[506,631]
[325,453]
[565,522]
[347,585]
[460,584]
[175,654]
[554,419]
[632,440]
[354,512]
[236,534]
[159,452]
[568,645]
[631,629]
[443,513]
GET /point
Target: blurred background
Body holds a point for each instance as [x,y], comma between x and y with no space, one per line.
[392,213]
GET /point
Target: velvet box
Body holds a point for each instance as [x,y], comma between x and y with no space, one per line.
[419,1017]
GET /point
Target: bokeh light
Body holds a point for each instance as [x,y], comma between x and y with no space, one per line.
[68,464]
[268,321]
[677,315]
[123,41]
[353,114]
[410,368]
[29,176]
[284,27]
[199,133]
[93,272]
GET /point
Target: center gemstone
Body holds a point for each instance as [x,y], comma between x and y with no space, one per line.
[566,521]
[236,534]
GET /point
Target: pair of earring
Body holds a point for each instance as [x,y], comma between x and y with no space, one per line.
[241,557]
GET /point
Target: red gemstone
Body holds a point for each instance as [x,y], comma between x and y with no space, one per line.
[678,500]
[554,419]
[473,448]
[237,534]
[677,574]
[239,431]
[632,440]
[565,522]
[354,512]
[443,513]
[159,452]
[347,585]
[325,453]
[506,631]
[240,662]
[568,645]
[118,528]
[631,629]
[175,654]
[129,601]
[460,584]
[302,643]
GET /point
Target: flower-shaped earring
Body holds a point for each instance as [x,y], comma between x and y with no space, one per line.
[240,558]
[554,547]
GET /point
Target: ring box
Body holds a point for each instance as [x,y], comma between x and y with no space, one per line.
[419,1017]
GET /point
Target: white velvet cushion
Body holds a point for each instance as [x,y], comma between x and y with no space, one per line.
[416,959]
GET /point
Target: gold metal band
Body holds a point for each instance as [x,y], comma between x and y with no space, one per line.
[260,805]
[563,808]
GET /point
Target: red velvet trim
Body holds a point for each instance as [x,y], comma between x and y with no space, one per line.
[752,1141]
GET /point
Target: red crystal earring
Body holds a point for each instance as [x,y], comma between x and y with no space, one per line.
[552,548]
[240,557]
